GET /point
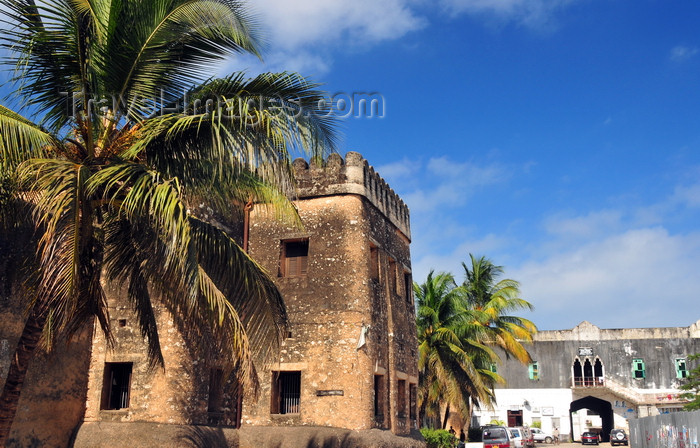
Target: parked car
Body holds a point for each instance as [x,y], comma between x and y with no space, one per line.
[518,436]
[522,437]
[494,436]
[590,438]
[541,436]
[618,437]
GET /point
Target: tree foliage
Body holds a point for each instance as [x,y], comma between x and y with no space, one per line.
[458,328]
[692,385]
[124,158]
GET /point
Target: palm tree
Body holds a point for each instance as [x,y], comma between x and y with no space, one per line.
[453,364]
[491,299]
[131,140]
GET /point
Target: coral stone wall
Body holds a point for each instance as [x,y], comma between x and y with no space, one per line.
[352,315]
[51,405]
[175,394]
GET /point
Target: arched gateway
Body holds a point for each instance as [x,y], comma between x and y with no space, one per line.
[601,407]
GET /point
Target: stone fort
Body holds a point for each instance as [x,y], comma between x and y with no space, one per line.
[348,362]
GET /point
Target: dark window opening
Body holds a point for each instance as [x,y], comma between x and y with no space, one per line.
[378,396]
[413,400]
[216,389]
[408,287]
[286,392]
[515,418]
[401,398]
[116,387]
[122,322]
[295,256]
[578,374]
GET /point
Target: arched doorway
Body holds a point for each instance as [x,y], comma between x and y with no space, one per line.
[601,407]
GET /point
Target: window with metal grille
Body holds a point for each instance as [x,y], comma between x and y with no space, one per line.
[116,387]
[534,371]
[286,392]
[295,255]
[638,370]
[681,369]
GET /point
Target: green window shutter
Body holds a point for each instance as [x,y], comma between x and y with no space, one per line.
[533,371]
[681,370]
[638,370]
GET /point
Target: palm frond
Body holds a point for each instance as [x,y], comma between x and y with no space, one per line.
[21,139]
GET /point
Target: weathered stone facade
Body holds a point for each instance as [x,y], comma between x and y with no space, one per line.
[357,285]
[53,398]
[350,359]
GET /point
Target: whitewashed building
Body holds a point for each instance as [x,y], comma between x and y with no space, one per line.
[589,378]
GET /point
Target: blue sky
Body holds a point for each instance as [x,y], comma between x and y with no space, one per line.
[559,138]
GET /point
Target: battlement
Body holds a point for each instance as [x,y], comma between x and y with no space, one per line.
[353,175]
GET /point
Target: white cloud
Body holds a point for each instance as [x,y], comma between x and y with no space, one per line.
[397,172]
[586,226]
[617,268]
[637,278]
[681,53]
[533,13]
[688,195]
[303,22]
[452,183]
[302,34]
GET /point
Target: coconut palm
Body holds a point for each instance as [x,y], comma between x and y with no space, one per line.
[453,364]
[124,158]
[491,300]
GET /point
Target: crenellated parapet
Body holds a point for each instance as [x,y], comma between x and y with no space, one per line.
[353,175]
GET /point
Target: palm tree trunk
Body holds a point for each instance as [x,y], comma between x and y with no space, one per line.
[24,352]
[447,414]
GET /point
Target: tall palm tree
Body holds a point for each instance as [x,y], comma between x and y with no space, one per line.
[452,362]
[491,300]
[115,142]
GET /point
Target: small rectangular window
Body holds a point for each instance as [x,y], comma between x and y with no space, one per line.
[413,400]
[286,392]
[493,367]
[216,390]
[638,370]
[681,369]
[295,255]
[379,396]
[401,398]
[116,387]
[408,287]
[533,371]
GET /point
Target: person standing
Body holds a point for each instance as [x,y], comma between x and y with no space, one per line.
[555,433]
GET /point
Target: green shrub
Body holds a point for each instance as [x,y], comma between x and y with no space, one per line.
[438,438]
[537,424]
